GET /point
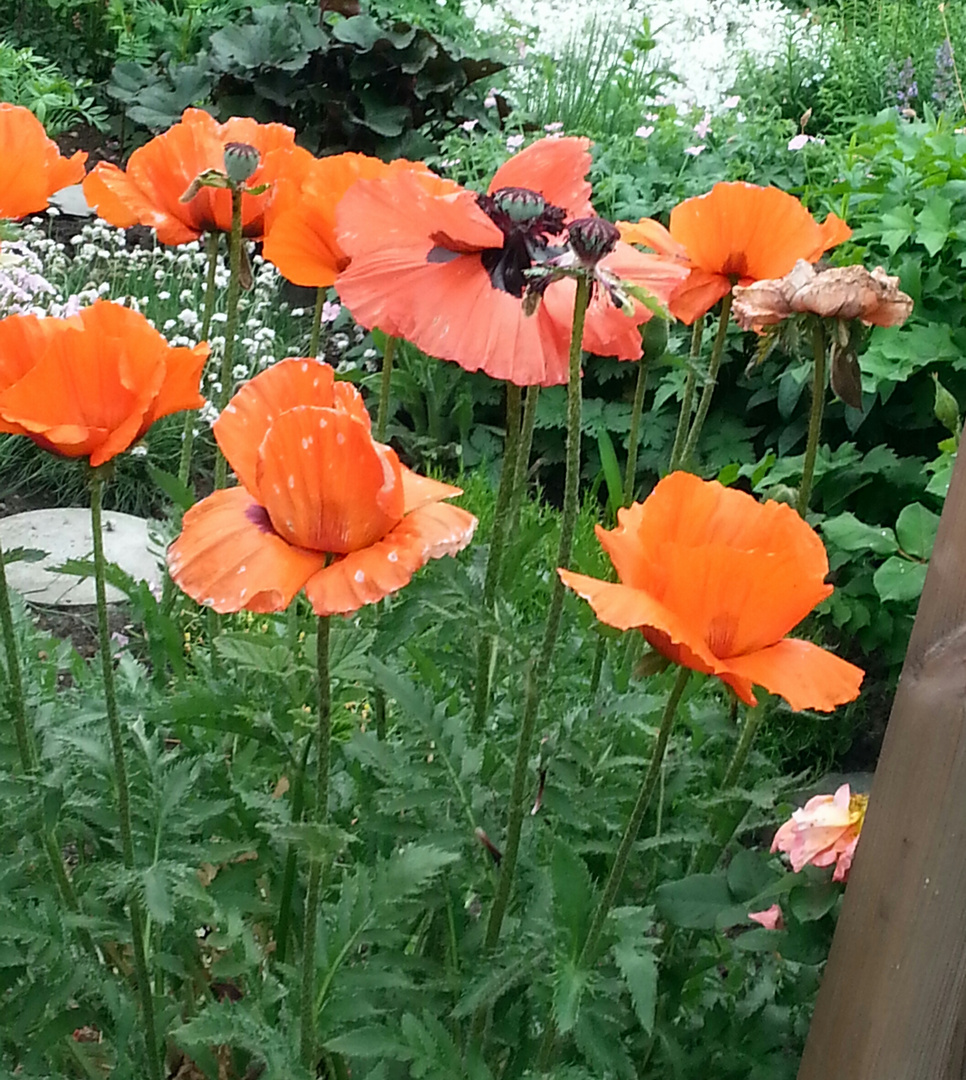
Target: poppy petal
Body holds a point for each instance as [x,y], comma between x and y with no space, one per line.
[33,168]
[325,484]
[243,423]
[697,295]
[832,232]
[347,398]
[120,201]
[182,378]
[228,556]
[556,168]
[301,243]
[23,339]
[366,576]
[806,676]
[419,490]
[652,234]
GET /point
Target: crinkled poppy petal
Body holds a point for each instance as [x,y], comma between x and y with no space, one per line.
[23,339]
[652,234]
[301,243]
[451,311]
[697,295]
[325,484]
[182,379]
[240,429]
[607,330]
[400,216]
[627,609]
[806,676]
[32,166]
[419,490]
[120,201]
[347,398]
[832,232]
[366,576]
[556,168]
[228,556]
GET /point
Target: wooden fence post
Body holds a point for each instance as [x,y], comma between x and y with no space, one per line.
[892,1004]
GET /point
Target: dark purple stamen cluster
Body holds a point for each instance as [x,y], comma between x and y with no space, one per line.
[527,222]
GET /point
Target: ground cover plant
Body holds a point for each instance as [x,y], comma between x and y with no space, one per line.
[515,567]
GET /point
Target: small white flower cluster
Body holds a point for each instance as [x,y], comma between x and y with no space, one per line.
[23,287]
[701,41]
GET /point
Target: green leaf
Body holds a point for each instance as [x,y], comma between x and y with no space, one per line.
[612,472]
[899,579]
[572,894]
[638,965]
[916,530]
[848,533]
[23,554]
[180,493]
[810,901]
[946,408]
[898,225]
[749,875]
[371,1041]
[694,902]
[157,894]
[569,984]
[412,868]
[933,222]
[318,841]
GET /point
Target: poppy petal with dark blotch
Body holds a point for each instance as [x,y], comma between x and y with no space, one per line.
[806,676]
[33,168]
[243,423]
[325,484]
[451,311]
[421,490]
[556,168]
[228,556]
[159,173]
[745,231]
[365,577]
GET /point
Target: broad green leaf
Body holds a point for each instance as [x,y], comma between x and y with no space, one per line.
[933,222]
[848,533]
[638,965]
[749,874]
[899,579]
[916,530]
[898,225]
[694,902]
[810,901]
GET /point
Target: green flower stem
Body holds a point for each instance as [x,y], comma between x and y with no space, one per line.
[648,784]
[231,324]
[814,419]
[120,775]
[385,387]
[494,561]
[637,410]
[316,333]
[538,673]
[28,754]
[717,352]
[307,1047]
[188,435]
[291,859]
[523,457]
[684,419]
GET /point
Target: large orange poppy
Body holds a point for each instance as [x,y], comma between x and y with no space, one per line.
[33,168]
[91,385]
[149,191]
[300,239]
[445,267]
[321,505]
[735,234]
[715,580]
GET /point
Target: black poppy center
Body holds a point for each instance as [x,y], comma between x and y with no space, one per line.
[527,222]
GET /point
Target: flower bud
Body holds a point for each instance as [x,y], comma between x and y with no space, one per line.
[241,161]
[592,238]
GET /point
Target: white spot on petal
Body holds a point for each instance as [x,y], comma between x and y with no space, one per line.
[359,576]
[393,556]
[291,482]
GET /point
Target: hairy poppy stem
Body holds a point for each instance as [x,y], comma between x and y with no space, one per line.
[814,419]
[717,352]
[523,457]
[291,860]
[633,827]
[28,753]
[494,561]
[385,388]
[637,409]
[316,333]
[687,399]
[307,1046]
[516,808]
[191,417]
[231,323]
[120,776]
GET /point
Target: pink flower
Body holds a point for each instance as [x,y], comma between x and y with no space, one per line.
[824,831]
[730,102]
[468,125]
[645,131]
[695,150]
[514,142]
[770,918]
[330,311]
[557,125]
[799,141]
[703,126]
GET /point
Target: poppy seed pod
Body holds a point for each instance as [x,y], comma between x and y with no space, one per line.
[241,161]
[592,238]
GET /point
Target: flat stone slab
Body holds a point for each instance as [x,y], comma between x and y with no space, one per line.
[66,534]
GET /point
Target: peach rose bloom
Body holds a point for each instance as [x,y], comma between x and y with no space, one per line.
[824,832]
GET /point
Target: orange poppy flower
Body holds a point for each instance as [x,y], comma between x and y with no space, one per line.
[91,385]
[33,168]
[300,239]
[736,234]
[445,268]
[714,580]
[149,191]
[321,505]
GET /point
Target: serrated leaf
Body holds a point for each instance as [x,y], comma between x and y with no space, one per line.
[412,868]
[749,874]
[317,840]
[180,493]
[157,894]
[569,984]
[371,1041]
[638,965]
[572,895]
[23,554]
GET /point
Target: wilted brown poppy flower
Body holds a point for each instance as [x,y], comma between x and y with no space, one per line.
[846,293]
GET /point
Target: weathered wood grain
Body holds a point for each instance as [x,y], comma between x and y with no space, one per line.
[892,1005]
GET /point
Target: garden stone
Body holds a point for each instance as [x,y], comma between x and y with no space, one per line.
[64,534]
[71,200]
